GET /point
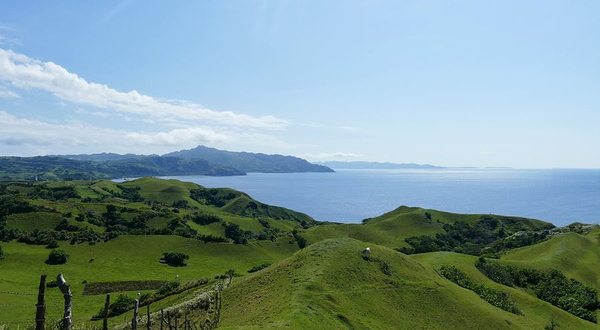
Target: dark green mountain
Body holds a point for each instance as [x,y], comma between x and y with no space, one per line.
[251,162]
[58,168]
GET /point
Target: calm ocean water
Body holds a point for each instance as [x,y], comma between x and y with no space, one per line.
[557,196]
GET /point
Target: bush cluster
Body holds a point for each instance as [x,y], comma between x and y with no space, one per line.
[57,257]
[259,267]
[551,286]
[175,259]
[488,235]
[495,297]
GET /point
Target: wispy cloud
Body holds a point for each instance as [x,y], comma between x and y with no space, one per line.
[6,41]
[351,128]
[194,136]
[27,73]
[8,94]
[34,132]
[330,155]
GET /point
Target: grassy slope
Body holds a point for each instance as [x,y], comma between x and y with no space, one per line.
[125,258]
[392,228]
[330,286]
[576,255]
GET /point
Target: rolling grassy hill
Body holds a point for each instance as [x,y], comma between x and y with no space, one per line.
[576,255]
[330,285]
[391,229]
[110,231]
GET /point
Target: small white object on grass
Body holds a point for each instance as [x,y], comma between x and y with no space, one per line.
[366,251]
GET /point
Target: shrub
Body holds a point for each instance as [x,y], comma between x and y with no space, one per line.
[259,267]
[204,219]
[494,297]
[551,286]
[175,259]
[1,253]
[52,245]
[234,232]
[57,257]
[168,287]
[120,306]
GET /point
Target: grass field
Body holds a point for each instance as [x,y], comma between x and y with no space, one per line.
[125,258]
[330,286]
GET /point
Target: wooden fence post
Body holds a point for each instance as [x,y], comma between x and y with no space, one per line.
[148,317]
[105,315]
[65,288]
[134,322]
[40,315]
[162,318]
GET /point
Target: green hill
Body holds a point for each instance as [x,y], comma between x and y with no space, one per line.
[329,285]
[58,168]
[392,229]
[576,255]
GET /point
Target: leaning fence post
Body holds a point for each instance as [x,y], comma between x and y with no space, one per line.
[40,315]
[134,322]
[105,314]
[65,288]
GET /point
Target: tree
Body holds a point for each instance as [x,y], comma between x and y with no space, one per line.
[57,257]
[175,259]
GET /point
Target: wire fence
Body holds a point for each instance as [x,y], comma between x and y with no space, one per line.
[56,315]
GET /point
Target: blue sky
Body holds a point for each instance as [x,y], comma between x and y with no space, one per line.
[454,83]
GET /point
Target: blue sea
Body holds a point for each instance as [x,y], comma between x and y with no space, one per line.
[349,196]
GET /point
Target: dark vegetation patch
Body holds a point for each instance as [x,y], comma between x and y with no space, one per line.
[175,259]
[258,267]
[108,287]
[384,267]
[489,235]
[495,297]
[551,286]
[203,219]
[124,303]
[57,257]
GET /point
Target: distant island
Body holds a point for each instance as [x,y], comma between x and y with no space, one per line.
[377,165]
[197,161]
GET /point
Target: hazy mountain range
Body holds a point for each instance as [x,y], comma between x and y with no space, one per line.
[376,165]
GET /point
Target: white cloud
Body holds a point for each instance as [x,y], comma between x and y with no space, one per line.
[179,136]
[330,155]
[89,138]
[101,114]
[8,94]
[24,72]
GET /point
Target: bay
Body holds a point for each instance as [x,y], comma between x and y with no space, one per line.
[349,196]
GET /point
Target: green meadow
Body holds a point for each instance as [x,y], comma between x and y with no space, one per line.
[317,278]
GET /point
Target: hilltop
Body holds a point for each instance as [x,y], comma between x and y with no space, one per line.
[251,162]
[331,285]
